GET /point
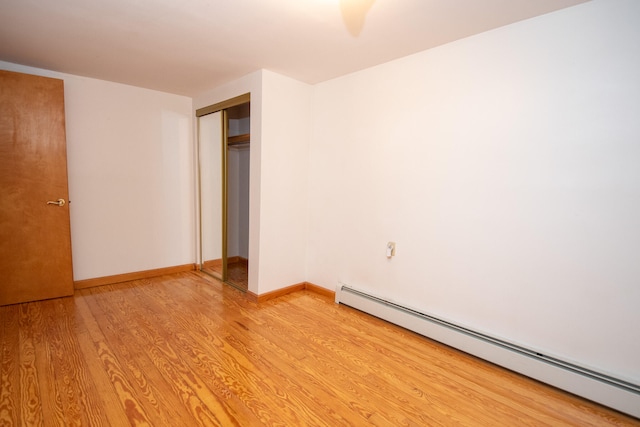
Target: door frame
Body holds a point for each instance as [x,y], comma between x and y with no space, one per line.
[210,109]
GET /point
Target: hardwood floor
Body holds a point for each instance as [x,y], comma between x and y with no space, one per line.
[237,273]
[184,350]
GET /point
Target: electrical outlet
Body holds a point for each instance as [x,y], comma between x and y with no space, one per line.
[391,249]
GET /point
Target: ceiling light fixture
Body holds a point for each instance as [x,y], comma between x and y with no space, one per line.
[354,13]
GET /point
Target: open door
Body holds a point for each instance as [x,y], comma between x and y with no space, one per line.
[35,235]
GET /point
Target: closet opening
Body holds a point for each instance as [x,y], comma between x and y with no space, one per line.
[224,149]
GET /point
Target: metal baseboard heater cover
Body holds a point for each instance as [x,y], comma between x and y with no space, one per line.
[604,389]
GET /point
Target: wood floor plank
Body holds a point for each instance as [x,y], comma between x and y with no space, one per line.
[216,365]
[321,350]
[126,318]
[52,407]
[9,366]
[184,349]
[30,396]
[237,364]
[82,392]
[343,357]
[426,383]
[251,369]
[243,330]
[486,379]
[512,392]
[288,355]
[154,389]
[109,376]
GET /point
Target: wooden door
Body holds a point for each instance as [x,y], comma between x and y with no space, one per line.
[35,238]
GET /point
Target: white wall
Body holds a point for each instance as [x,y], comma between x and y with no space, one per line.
[286,129]
[506,168]
[130,167]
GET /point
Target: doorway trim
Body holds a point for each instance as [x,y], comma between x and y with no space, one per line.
[241,99]
[210,109]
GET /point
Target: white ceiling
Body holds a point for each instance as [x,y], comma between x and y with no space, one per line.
[186,47]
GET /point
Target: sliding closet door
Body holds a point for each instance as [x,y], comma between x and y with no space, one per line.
[211,175]
[219,146]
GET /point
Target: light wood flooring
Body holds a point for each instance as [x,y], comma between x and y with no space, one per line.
[185,350]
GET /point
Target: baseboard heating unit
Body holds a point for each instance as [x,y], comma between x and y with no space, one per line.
[606,390]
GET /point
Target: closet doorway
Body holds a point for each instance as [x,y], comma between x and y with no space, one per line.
[224,149]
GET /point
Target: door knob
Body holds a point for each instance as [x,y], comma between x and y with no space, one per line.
[59,202]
